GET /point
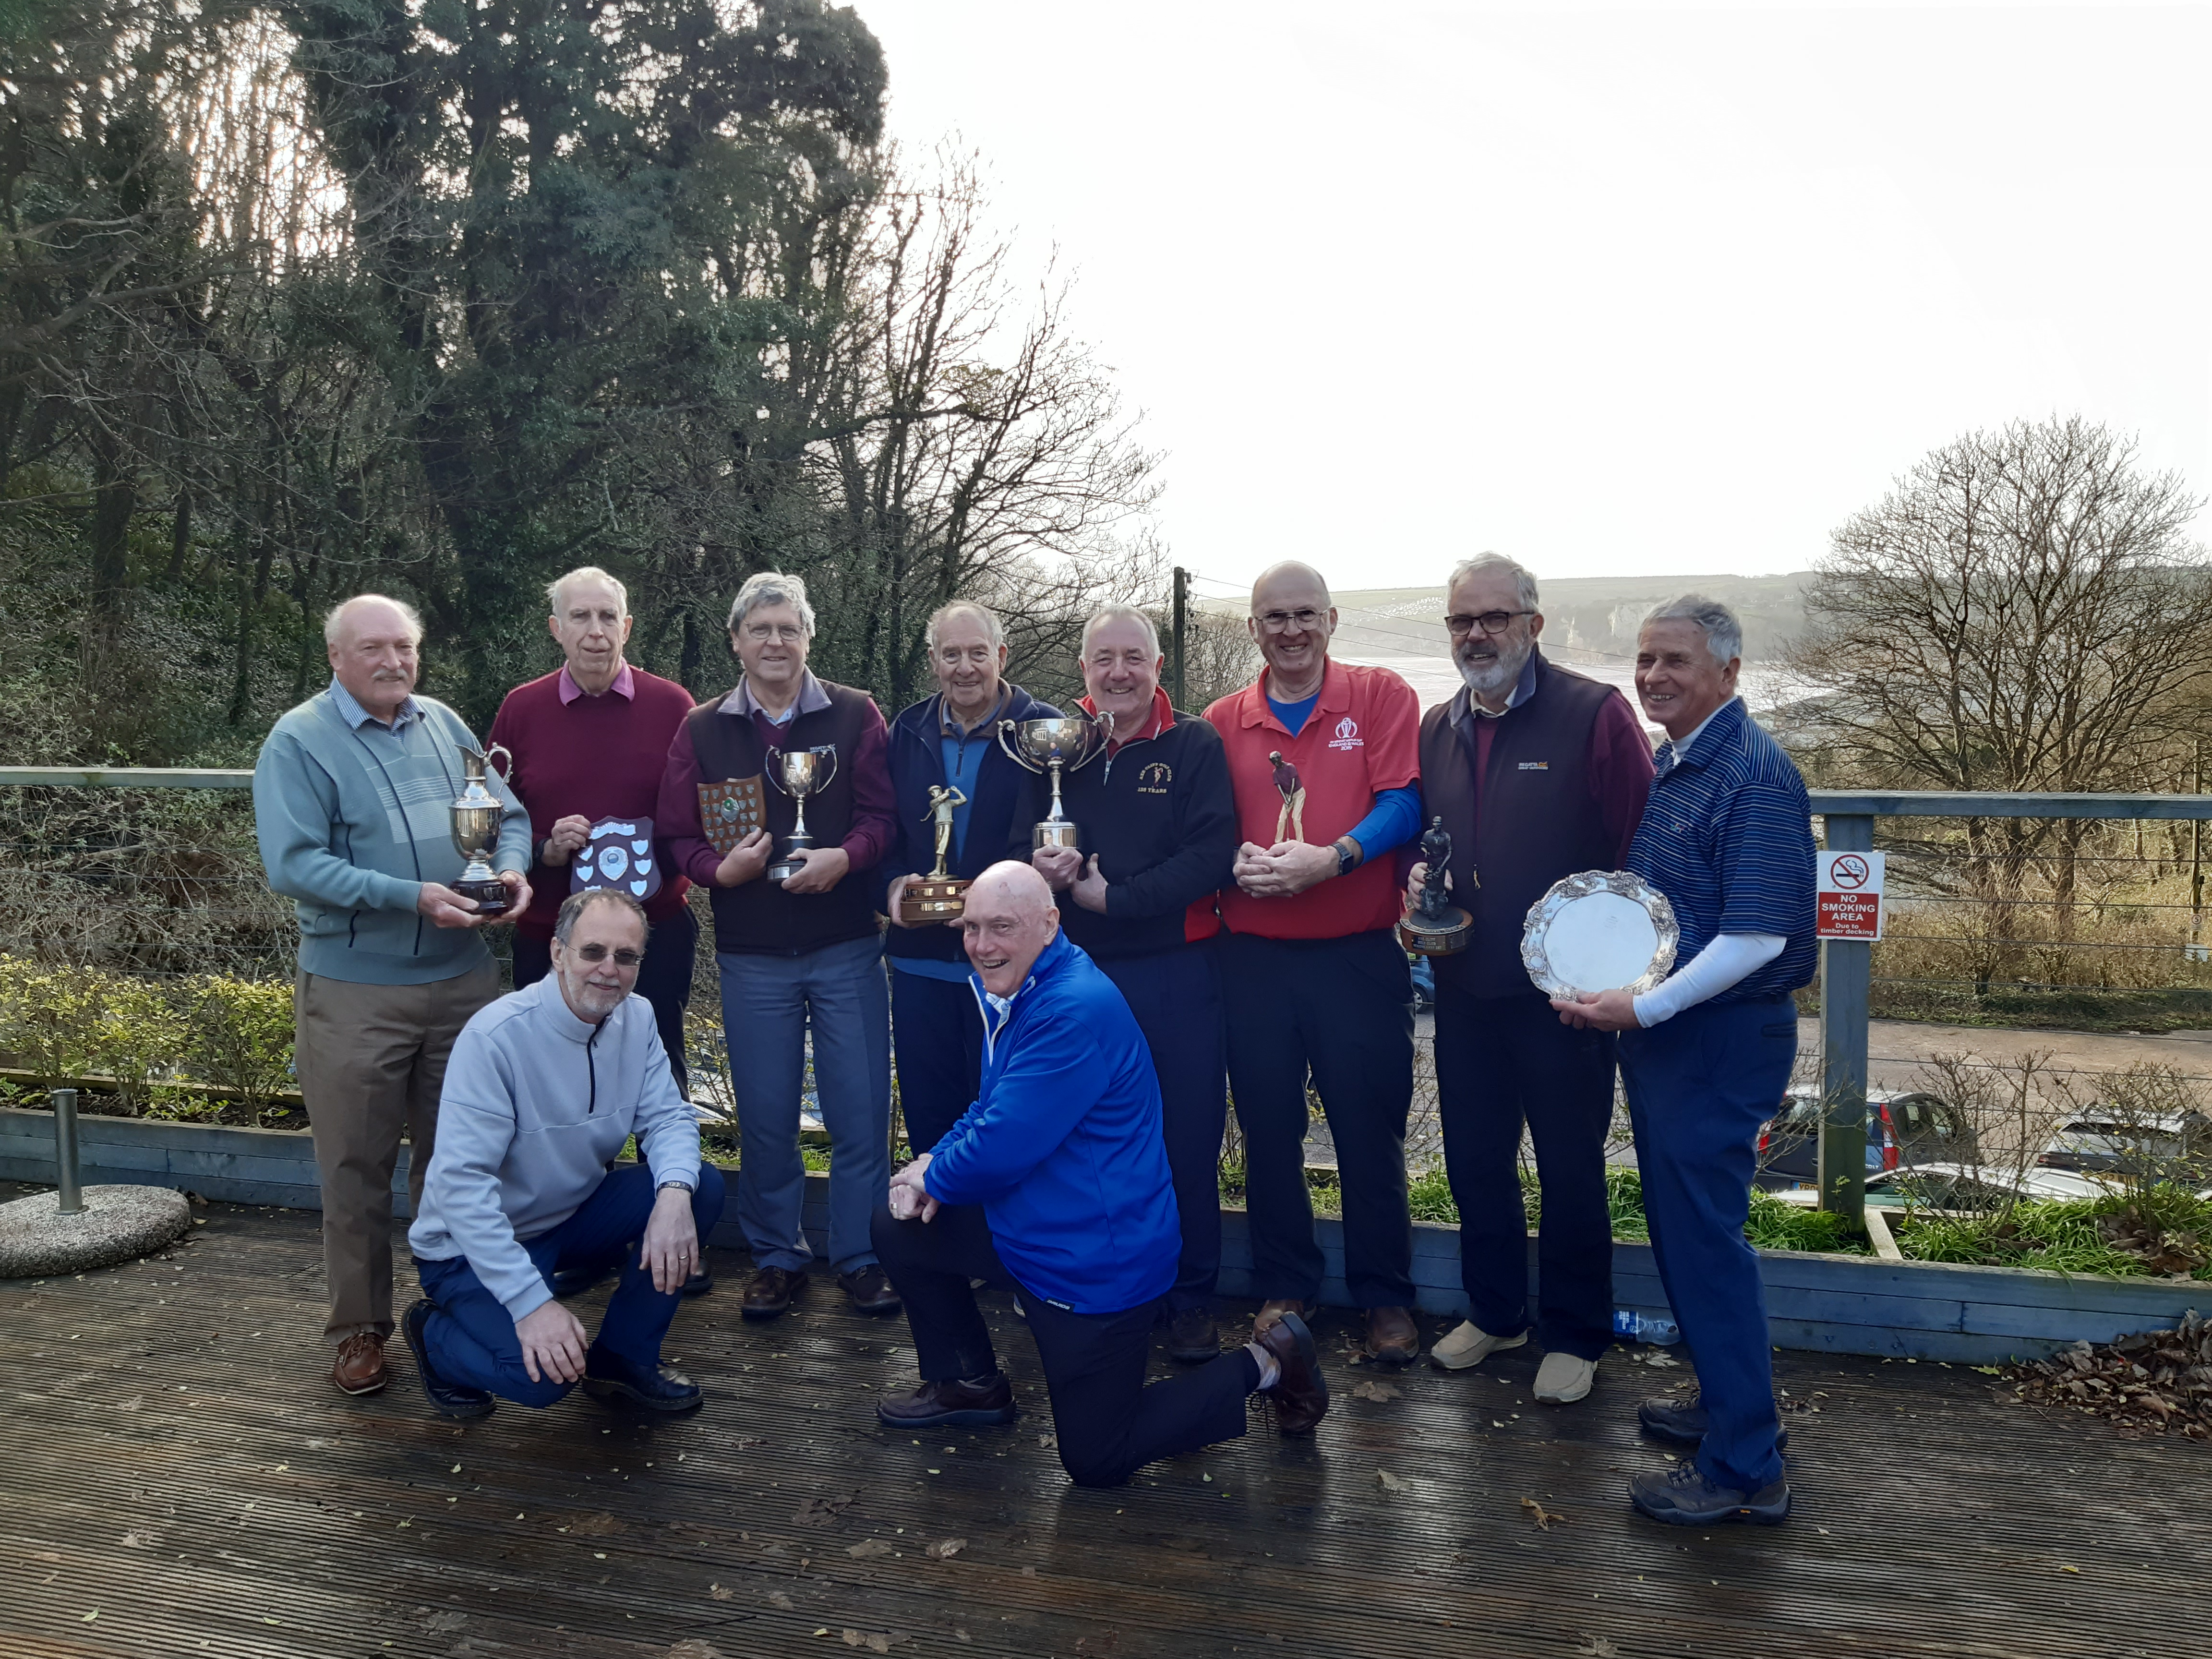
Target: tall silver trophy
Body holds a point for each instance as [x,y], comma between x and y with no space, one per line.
[798,773]
[1052,746]
[476,813]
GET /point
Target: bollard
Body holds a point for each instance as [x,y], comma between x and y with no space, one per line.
[72,1198]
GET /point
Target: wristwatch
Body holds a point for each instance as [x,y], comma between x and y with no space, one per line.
[1347,855]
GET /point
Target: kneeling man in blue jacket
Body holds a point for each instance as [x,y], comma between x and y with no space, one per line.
[1055,1182]
[544,1087]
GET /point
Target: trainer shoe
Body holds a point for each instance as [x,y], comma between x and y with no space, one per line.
[1563,1378]
[1679,1419]
[1683,1497]
[1469,1345]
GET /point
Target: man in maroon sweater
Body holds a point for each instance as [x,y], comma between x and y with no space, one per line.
[801,956]
[590,742]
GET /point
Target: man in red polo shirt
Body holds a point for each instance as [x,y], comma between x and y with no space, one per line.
[1324,759]
[590,742]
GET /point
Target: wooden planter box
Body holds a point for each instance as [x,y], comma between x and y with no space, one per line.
[1835,1303]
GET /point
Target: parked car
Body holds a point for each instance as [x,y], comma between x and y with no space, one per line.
[1903,1126]
[2176,1146]
[1946,1186]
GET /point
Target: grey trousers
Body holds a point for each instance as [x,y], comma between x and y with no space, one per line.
[769,1003]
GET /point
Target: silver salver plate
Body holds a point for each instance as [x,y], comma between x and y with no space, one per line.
[1603,930]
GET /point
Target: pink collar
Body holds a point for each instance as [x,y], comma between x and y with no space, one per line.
[624,687]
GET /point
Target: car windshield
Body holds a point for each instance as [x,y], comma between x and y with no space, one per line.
[2114,1139]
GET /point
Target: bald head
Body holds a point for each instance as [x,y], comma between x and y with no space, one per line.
[1008,921]
[371,641]
[1292,621]
[1293,577]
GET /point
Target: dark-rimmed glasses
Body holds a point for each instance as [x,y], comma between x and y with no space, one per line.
[1459,625]
[596,954]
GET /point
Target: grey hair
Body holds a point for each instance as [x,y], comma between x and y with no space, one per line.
[334,619]
[1524,580]
[993,630]
[772,588]
[586,573]
[574,906]
[1114,613]
[1724,632]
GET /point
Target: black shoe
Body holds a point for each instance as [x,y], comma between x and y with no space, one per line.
[448,1399]
[699,1283]
[615,1381]
[870,1289]
[1193,1337]
[1301,1392]
[1683,1497]
[946,1405]
[575,1281]
[1680,1420]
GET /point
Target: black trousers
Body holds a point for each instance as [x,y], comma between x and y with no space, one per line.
[937,1041]
[1502,1061]
[1108,1422]
[664,980]
[1341,1011]
[1176,998]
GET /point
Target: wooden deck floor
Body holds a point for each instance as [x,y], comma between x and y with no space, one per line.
[179,1478]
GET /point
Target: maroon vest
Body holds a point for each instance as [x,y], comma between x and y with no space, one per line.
[759,918]
[1531,820]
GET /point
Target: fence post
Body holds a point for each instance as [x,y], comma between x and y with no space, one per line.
[1846,970]
[1178,691]
[65,1176]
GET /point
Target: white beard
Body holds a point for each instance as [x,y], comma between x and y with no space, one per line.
[1500,673]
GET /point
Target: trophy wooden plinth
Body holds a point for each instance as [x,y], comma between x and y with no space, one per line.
[933,898]
[492,897]
[1442,935]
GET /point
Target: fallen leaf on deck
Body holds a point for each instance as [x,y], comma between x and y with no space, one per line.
[868,1546]
[1049,1442]
[445,1621]
[694,1648]
[1391,1482]
[874,1641]
[1599,1648]
[595,1526]
[1376,1391]
[780,1600]
[1542,1516]
[141,1540]
[721,1592]
[821,1510]
[131,1404]
[946,1548]
[1662,1359]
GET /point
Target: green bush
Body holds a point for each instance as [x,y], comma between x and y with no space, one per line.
[2163,1230]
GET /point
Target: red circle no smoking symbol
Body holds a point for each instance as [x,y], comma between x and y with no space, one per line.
[1849,871]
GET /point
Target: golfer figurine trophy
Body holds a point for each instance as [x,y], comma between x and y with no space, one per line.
[939,896]
[476,819]
[1435,927]
[798,773]
[1050,746]
[1291,821]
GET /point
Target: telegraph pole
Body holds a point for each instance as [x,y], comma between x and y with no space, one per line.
[1182,634]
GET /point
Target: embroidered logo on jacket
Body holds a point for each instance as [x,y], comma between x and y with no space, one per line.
[1348,735]
[1535,766]
[1154,779]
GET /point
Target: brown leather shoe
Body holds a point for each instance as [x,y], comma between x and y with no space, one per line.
[1271,1311]
[769,1291]
[1301,1392]
[359,1367]
[1392,1336]
[870,1290]
[951,1404]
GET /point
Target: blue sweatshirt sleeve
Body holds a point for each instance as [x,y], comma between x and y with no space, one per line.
[1053,1077]
[295,801]
[1389,824]
[668,1130]
[476,1128]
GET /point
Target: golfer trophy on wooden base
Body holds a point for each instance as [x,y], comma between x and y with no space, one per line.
[1435,927]
[798,773]
[1048,746]
[939,896]
[476,813]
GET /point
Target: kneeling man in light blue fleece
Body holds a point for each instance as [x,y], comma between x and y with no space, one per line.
[544,1087]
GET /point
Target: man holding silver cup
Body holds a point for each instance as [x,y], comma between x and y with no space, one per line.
[946,764]
[798,955]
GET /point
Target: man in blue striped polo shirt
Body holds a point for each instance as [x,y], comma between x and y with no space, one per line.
[1727,837]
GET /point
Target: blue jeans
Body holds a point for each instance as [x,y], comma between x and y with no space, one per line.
[768,1005]
[1700,1087]
[470,1335]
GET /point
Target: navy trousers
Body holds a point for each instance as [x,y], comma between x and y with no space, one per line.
[470,1335]
[1339,1011]
[937,1041]
[1700,1087]
[1108,1421]
[1502,1061]
[664,980]
[1176,998]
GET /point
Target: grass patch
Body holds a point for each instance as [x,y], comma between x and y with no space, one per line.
[2159,1232]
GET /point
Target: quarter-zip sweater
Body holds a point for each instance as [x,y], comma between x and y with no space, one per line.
[537,1103]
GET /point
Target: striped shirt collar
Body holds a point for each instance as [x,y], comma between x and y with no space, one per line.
[1672,754]
[354,716]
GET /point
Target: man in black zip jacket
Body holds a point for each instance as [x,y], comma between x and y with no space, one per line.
[949,739]
[1158,822]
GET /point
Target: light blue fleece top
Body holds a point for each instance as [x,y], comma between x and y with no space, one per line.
[352,817]
[537,1103]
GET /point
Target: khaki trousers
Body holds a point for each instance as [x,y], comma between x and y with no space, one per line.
[372,1059]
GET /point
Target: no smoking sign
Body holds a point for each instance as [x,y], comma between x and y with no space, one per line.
[1849,902]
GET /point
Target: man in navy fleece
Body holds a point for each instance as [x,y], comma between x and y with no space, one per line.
[1056,1182]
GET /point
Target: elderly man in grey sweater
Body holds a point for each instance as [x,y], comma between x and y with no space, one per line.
[545,1087]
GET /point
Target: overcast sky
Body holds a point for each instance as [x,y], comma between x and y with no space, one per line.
[1621,290]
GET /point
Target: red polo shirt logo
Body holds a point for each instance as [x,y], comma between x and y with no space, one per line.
[1348,735]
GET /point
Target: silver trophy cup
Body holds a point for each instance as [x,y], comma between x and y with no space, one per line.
[475,814]
[798,773]
[1052,746]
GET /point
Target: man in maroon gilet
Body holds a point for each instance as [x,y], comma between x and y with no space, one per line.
[798,958]
[1537,773]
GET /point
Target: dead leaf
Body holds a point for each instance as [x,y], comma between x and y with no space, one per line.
[870,1546]
[595,1526]
[694,1648]
[1370,1389]
[874,1641]
[1542,1516]
[1049,1442]
[820,1512]
[1599,1648]
[721,1592]
[446,1620]
[141,1540]
[1391,1482]
[780,1600]
[946,1548]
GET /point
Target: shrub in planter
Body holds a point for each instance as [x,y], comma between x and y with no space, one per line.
[241,1037]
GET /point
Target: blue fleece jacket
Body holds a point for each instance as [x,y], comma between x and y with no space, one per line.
[1063,1146]
[354,819]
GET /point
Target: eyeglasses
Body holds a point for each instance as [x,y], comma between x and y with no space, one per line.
[596,954]
[1490,622]
[782,633]
[1276,621]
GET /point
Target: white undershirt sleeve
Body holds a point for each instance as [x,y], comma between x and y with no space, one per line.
[1728,959]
